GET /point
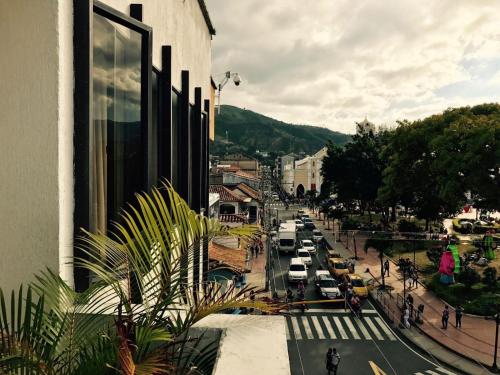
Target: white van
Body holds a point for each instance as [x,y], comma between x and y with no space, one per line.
[297,271]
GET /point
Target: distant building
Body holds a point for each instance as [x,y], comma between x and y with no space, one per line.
[238,203]
[245,163]
[285,172]
[307,173]
[365,127]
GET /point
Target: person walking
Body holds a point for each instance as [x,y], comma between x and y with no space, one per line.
[445,316]
[332,361]
[414,278]
[409,300]
[458,316]
[386,268]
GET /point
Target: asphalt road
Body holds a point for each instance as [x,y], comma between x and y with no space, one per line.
[366,345]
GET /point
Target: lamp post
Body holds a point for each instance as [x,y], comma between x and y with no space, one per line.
[227,76]
[494,367]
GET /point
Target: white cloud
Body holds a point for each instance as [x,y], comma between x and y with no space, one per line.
[330,63]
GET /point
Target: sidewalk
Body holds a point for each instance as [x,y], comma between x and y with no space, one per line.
[475,340]
[257,275]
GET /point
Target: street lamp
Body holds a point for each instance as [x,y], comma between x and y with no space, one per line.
[494,367]
[227,76]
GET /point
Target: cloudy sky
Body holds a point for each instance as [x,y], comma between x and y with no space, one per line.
[331,62]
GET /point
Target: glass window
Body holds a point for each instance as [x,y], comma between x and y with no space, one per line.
[175,136]
[155,124]
[117,155]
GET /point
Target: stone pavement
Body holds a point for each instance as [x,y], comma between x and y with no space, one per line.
[257,276]
[475,340]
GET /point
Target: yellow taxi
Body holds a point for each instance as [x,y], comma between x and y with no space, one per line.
[338,267]
[358,286]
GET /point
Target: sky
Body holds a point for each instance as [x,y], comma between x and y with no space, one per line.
[330,63]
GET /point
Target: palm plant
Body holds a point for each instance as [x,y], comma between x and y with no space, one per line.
[138,314]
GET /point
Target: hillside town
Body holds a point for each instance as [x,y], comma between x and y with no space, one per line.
[203,187]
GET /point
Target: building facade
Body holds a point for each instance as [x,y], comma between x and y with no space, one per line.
[100,100]
[307,173]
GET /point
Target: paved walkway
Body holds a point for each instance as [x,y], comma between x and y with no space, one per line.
[257,275]
[475,340]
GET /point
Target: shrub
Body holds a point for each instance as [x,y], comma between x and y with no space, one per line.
[434,255]
[478,287]
[469,276]
[408,226]
[350,224]
[490,277]
[485,304]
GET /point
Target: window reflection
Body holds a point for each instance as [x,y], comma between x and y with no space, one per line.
[117,155]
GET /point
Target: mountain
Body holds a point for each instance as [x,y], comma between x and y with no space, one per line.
[247,132]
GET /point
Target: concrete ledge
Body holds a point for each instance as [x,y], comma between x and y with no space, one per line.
[250,344]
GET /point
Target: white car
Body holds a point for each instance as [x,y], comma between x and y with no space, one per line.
[299,224]
[308,245]
[305,256]
[297,271]
[317,235]
[326,285]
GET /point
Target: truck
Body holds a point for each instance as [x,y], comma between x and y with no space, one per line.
[287,236]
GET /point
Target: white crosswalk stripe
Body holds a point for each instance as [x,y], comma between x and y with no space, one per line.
[329,327]
[307,328]
[363,329]
[318,328]
[386,329]
[373,328]
[436,371]
[342,327]
[352,330]
[296,329]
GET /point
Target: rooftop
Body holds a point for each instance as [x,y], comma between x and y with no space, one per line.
[235,258]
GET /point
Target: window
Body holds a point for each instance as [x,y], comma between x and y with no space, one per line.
[175,135]
[112,110]
[117,151]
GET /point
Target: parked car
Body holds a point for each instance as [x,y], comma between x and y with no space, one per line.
[326,285]
[305,256]
[304,216]
[308,223]
[338,267]
[297,271]
[332,254]
[299,224]
[300,213]
[317,236]
[308,245]
[358,286]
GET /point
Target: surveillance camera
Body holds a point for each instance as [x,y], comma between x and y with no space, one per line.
[237,79]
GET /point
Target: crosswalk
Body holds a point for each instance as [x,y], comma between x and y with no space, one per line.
[337,327]
[435,371]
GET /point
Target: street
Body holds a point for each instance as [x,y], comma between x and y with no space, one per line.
[366,345]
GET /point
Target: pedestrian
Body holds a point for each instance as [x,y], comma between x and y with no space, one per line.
[329,361]
[406,318]
[445,316]
[409,300]
[386,267]
[255,250]
[458,316]
[414,278]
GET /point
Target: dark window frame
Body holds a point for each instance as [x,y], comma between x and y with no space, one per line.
[83,110]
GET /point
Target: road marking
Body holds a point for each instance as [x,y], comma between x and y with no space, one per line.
[287,329]
[340,328]
[296,329]
[353,331]
[376,370]
[373,328]
[430,372]
[338,311]
[307,328]
[445,371]
[363,329]
[317,326]
[329,327]
[386,329]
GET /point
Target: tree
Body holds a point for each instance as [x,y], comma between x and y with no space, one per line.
[52,329]
[383,246]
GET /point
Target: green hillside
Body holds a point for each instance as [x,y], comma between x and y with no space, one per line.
[248,131]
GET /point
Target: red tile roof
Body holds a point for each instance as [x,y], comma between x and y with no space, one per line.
[251,192]
[235,258]
[225,194]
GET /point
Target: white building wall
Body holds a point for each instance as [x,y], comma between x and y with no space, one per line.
[30,76]
[36,123]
